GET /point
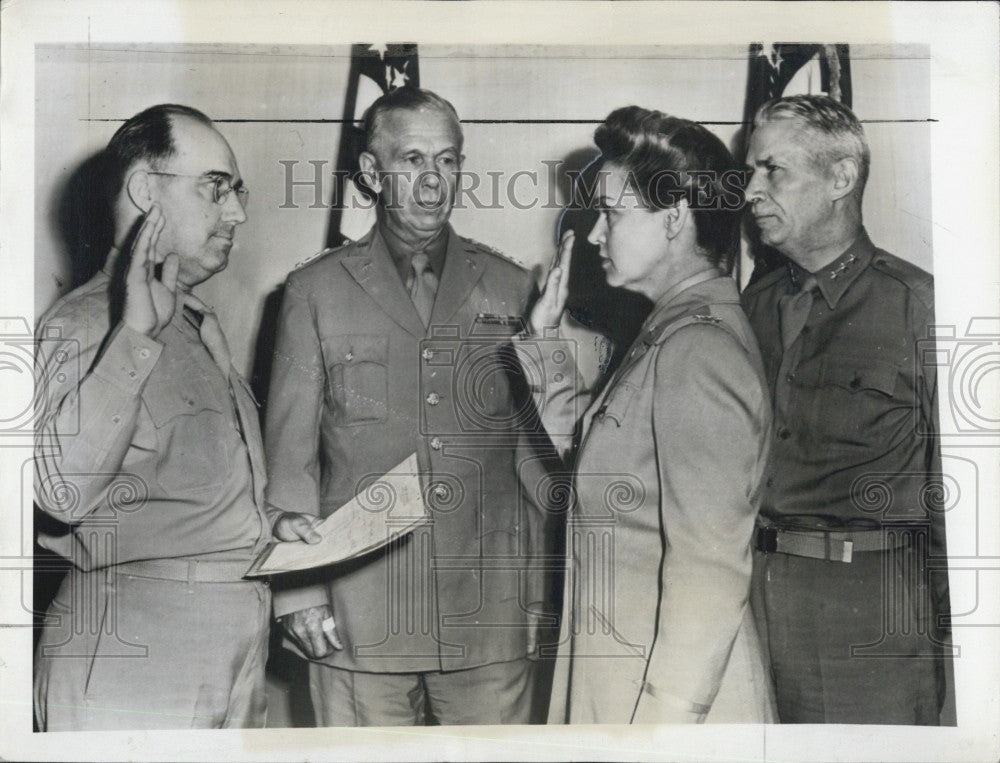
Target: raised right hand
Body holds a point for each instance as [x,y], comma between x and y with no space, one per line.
[150,302]
[548,310]
[306,628]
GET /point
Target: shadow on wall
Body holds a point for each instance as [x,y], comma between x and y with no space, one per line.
[82,217]
[260,374]
[616,313]
[84,220]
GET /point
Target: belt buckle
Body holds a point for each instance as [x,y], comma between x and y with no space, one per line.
[767,540]
[847,552]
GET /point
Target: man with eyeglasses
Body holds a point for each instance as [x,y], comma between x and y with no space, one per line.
[148,454]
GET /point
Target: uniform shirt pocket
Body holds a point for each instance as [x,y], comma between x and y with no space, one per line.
[357,378]
[192,432]
[857,402]
[616,405]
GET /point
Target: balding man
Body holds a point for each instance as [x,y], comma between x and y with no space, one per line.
[389,346]
[151,458]
[849,586]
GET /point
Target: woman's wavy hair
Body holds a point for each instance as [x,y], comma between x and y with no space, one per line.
[668,158]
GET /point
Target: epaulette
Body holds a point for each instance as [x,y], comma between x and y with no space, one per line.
[328,250]
[472,246]
[766,281]
[914,278]
[712,319]
[703,316]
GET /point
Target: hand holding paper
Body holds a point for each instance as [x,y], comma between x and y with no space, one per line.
[388,508]
[293,526]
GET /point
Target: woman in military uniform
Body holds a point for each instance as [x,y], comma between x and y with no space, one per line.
[668,459]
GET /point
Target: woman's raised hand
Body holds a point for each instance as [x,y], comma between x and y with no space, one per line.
[548,310]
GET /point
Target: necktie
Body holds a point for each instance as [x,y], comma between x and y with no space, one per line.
[423,287]
[794,310]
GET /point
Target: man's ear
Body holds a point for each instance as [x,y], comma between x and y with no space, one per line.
[137,187]
[675,217]
[845,177]
[369,169]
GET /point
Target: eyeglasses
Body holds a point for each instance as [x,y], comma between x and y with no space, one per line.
[221,186]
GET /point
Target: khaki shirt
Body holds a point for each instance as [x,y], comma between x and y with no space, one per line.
[140,449]
[855,418]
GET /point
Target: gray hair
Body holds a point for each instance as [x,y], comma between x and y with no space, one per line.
[839,129]
[405,99]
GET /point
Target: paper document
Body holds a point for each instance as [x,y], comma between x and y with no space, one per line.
[388,508]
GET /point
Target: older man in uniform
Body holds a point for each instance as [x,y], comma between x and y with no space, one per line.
[151,458]
[388,346]
[848,584]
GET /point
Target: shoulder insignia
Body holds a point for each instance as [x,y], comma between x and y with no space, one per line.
[700,318]
[473,246]
[477,247]
[328,250]
[307,260]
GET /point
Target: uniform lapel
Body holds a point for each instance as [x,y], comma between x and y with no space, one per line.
[462,271]
[371,266]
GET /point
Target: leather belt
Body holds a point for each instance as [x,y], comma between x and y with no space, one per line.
[187,570]
[832,546]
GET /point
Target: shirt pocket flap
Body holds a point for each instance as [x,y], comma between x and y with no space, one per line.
[166,400]
[357,378]
[855,375]
[353,349]
[617,403]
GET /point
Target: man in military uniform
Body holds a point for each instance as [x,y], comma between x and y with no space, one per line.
[152,458]
[849,588]
[389,346]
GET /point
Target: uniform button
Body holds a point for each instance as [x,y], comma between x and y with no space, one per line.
[770,481]
[440,491]
[144,353]
[433,398]
[116,419]
[349,356]
[435,443]
[131,374]
[789,378]
[427,353]
[805,329]
[558,377]
[784,434]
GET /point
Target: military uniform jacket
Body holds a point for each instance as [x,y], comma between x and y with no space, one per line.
[656,624]
[358,384]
